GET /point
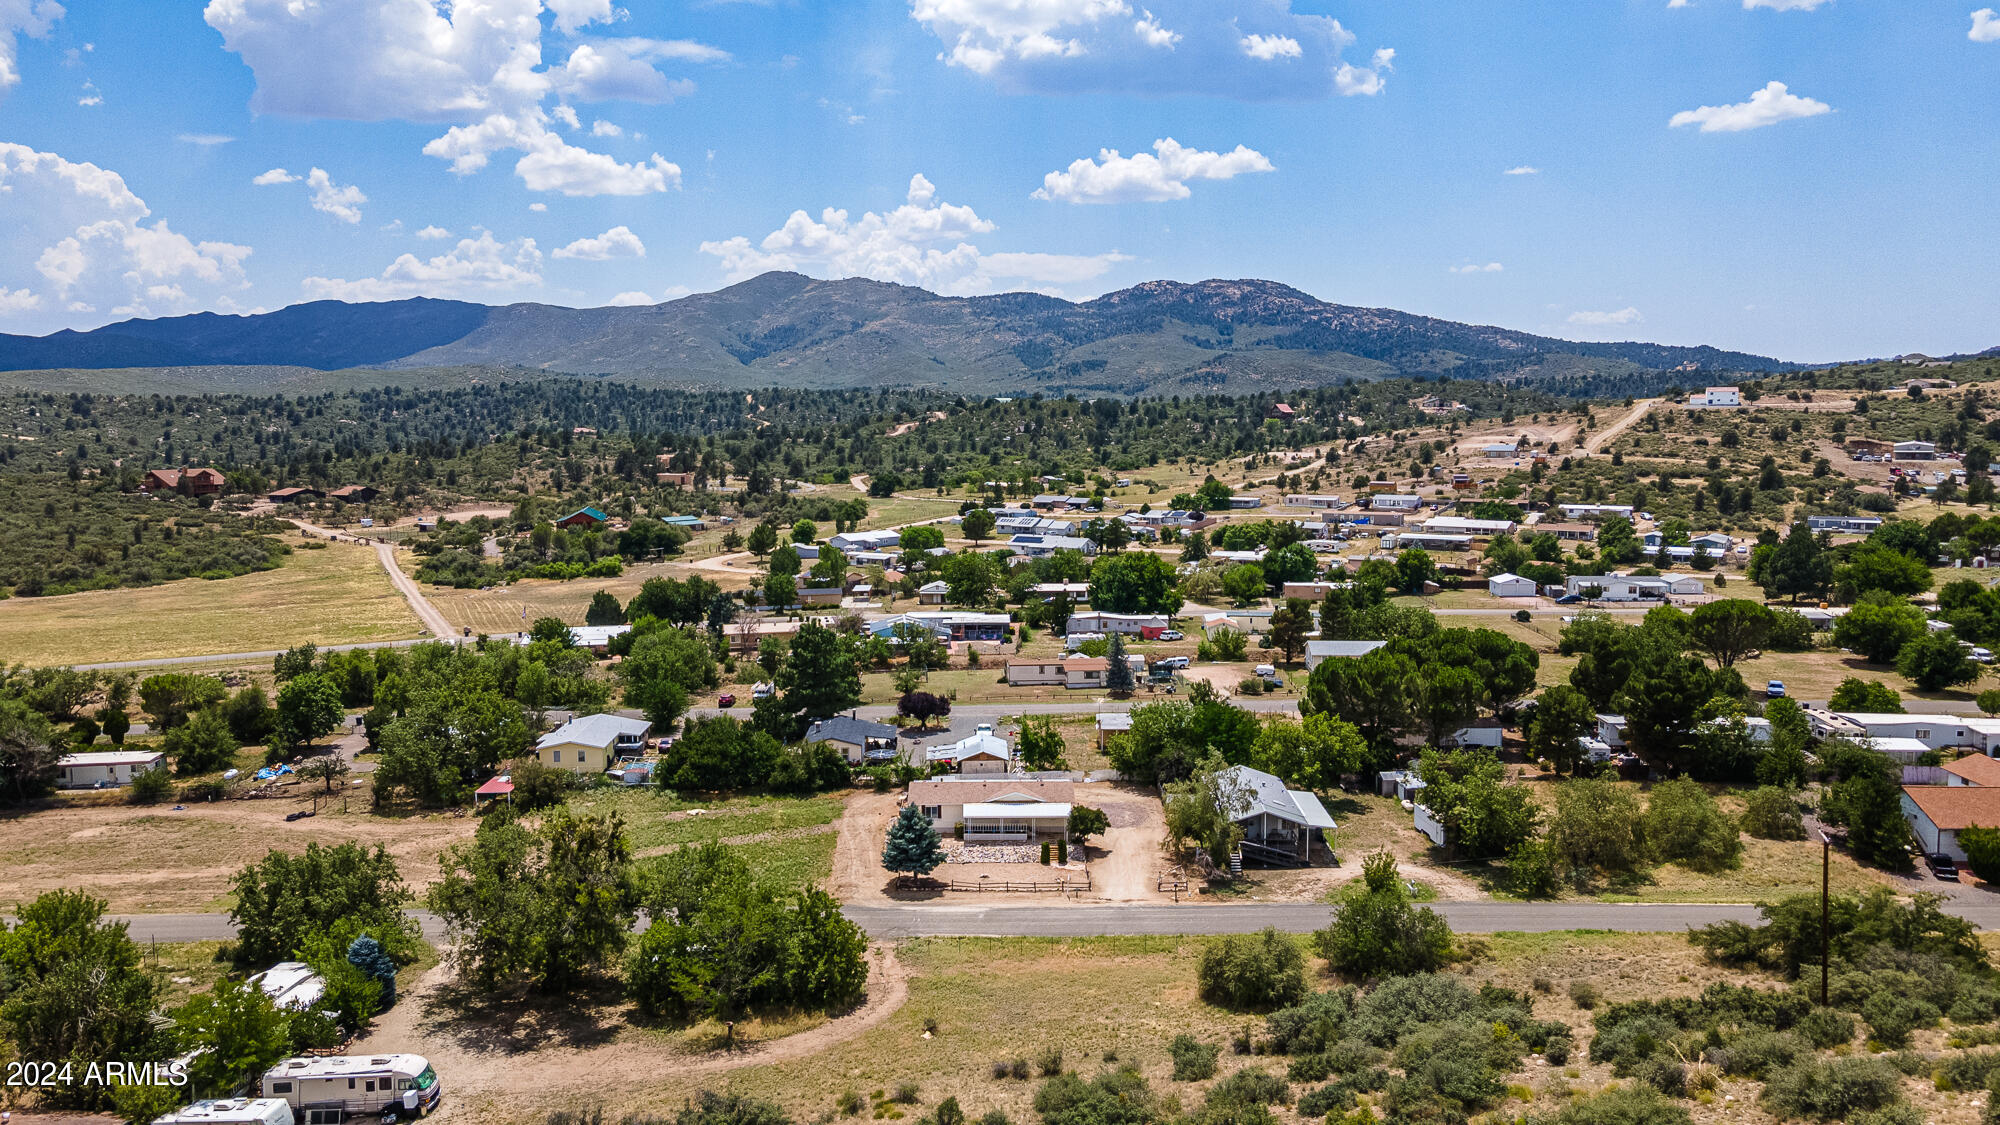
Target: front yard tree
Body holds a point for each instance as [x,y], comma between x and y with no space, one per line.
[1040,744]
[1118,675]
[233,1030]
[1482,814]
[923,706]
[977,525]
[1290,623]
[1085,822]
[820,677]
[914,847]
[1616,543]
[762,539]
[1562,717]
[1730,629]
[308,708]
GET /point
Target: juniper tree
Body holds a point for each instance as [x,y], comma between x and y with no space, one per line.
[914,847]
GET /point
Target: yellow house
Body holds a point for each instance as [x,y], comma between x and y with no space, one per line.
[592,743]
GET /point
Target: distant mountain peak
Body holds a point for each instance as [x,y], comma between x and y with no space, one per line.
[784,328]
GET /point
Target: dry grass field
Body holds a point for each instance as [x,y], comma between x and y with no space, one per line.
[952,1008]
[336,594]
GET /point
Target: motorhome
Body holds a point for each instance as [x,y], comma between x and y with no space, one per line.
[232,1111]
[324,1091]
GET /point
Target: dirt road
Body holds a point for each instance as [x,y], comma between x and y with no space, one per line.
[1610,433]
[433,622]
[588,1055]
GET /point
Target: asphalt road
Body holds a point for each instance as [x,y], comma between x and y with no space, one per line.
[979,920]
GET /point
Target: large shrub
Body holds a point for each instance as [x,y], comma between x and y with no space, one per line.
[1684,825]
[1253,972]
[1832,1089]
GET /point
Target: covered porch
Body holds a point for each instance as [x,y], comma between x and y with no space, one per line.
[1015,822]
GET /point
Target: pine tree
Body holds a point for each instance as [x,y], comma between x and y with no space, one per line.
[914,847]
[1119,676]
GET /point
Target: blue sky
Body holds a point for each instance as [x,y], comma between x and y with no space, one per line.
[1595,169]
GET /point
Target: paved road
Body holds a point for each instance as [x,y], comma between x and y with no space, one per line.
[980,920]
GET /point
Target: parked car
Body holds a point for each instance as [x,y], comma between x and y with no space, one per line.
[1981,655]
[1171,662]
[1942,867]
[1172,635]
[761,691]
[725,700]
[1569,599]
[1774,689]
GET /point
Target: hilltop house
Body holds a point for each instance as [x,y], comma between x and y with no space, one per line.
[184,482]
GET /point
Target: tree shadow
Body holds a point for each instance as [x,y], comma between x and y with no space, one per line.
[514,1020]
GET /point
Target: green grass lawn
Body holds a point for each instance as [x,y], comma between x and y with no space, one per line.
[788,840]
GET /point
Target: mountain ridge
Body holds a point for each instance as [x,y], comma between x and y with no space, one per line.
[788,329]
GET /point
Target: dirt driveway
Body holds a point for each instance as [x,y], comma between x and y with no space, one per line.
[518,1061]
[1125,862]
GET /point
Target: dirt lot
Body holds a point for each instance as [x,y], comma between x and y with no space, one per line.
[1125,863]
[148,858]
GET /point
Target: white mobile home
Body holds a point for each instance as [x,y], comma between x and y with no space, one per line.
[1319,651]
[1396,502]
[91,771]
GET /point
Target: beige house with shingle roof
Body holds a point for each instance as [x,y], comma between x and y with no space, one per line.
[996,809]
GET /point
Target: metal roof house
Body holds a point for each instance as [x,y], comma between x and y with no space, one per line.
[1278,823]
[1317,651]
[858,739]
[592,742]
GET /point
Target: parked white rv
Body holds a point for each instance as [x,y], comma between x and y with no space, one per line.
[232,1111]
[324,1091]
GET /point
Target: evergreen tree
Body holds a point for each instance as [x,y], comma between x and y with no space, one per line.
[914,847]
[604,610]
[367,955]
[1119,676]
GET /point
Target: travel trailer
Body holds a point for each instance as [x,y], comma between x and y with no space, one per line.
[232,1111]
[325,1091]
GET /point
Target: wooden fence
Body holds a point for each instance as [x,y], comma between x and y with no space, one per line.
[1063,886]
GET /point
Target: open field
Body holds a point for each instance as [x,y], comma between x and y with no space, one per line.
[959,1005]
[336,594]
[152,858]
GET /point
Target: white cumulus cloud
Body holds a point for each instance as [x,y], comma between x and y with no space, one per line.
[618,242]
[433,232]
[343,203]
[1150,32]
[630,297]
[32,18]
[74,239]
[1490,267]
[476,66]
[602,128]
[274,176]
[925,241]
[1268,47]
[1245,49]
[1365,80]
[1590,319]
[1522,170]
[550,163]
[1985,26]
[481,267]
[1768,106]
[1147,176]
